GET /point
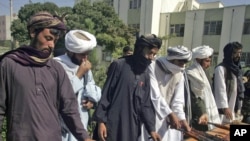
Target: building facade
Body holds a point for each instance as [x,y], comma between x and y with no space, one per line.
[214,27]
[5,33]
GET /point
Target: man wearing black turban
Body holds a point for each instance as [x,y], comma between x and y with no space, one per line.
[228,85]
[35,90]
[125,103]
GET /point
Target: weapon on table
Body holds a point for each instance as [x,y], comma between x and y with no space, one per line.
[196,135]
[219,125]
[207,135]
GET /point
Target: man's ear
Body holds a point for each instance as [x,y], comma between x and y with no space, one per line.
[32,33]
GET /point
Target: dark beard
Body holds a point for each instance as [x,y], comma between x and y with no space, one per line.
[141,64]
[74,60]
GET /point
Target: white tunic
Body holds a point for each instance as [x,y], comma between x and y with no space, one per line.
[83,90]
[159,98]
[221,93]
[200,86]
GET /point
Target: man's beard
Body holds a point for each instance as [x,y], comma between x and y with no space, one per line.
[74,60]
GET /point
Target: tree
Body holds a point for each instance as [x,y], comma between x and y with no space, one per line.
[101,20]
[19,26]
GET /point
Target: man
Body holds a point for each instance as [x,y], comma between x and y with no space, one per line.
[79,43]
[228,85]
[246,101]
[125,103]
[35,90]
[127,50]
[167,93]
[203,105]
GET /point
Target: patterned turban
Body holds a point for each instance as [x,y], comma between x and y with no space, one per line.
[45,20]
[179,53]
[79,41]
[202,52]
[149,40]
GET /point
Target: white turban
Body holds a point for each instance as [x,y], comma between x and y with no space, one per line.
[202,52]
[179,52]
[79,41]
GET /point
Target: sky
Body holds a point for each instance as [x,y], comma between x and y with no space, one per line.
[17,4]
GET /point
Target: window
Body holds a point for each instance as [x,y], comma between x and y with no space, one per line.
[246,29]
[177,30]
[212,28]
[136,26]
[134,4]
[245,58]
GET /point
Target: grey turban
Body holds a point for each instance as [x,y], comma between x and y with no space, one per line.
[202,52]
[79,41]
[179,53]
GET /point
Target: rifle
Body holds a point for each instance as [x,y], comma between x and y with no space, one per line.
[219,125]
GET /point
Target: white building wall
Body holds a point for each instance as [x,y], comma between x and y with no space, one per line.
[146,16]
[170,5]
[194,23]
[121,8]
[233,21]
[5,33]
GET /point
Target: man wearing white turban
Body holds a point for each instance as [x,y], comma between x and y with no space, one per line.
[203,105]
[76,64]
[167,92]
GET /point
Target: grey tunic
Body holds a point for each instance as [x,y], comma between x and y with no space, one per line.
[32,98]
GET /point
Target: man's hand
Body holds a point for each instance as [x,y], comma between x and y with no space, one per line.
[155,136]
[174,121]
[83,68]
[203,119]
[87,104]
[102,131]
[185,125]
[227,112]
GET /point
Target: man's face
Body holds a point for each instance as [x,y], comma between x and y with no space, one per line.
[236,55]
[179,62]
[78,58]
[150,53]
[128,53]
[44,41]
[205,63]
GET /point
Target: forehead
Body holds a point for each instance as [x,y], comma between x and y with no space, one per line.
[152,50]
[235,50]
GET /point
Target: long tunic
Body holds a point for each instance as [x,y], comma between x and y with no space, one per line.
[83,88]
[125,103]
[167,94]
[32,99]
[221,92]
[201,93]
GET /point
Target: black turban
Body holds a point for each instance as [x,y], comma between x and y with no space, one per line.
[150,41]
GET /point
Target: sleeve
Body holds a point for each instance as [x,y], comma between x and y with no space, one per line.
[198,105]
[161,107]
[177,103]
[101,111]
[3,96]
[92,91]
[75,81]
[220,92]
[68,107]
[148,111]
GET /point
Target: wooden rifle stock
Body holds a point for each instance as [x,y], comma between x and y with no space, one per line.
[219,125]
